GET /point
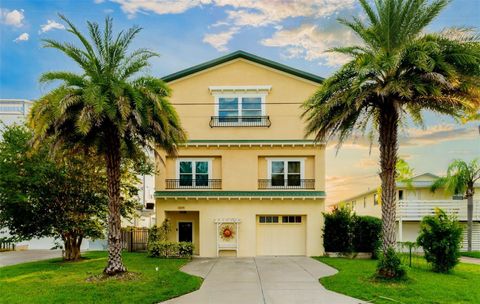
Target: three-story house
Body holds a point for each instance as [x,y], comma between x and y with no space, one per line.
[247,182]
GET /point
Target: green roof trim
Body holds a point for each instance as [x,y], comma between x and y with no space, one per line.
[241,193]
[247,56]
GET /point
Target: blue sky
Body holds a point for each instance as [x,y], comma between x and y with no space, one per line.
[186,33]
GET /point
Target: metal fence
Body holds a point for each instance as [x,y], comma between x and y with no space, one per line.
[7,246]
[134,239]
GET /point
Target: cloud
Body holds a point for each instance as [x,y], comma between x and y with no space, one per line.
[161,7]
[13,18]
[220,40]
[244,13]
[51,25]
[22,37]
[308,42]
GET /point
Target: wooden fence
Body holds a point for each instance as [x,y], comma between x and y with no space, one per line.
[134,239]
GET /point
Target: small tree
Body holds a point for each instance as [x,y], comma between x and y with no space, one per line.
[440,237]
[461,178]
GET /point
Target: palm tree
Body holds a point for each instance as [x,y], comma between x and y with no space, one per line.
[398,71]
[460,179]
[107,108]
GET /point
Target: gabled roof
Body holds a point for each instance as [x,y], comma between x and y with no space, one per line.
[247,56]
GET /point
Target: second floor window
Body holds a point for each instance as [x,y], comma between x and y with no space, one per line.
[286,173]
[193,173]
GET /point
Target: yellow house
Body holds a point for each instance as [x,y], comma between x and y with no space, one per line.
[414,201]
[247,182]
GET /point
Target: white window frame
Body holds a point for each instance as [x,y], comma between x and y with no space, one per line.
[239,97]
[193,160]
[285,173]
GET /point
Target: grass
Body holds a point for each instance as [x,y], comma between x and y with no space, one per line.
[355,278]
[54,281]
[472,254]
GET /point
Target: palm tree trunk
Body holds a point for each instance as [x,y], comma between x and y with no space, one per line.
[470,192]
[388,130]
[112,157]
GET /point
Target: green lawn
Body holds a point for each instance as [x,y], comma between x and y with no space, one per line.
[472,254]
[54,281]
[423,286]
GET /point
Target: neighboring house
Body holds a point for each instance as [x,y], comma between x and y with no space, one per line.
[247,182]
[415,201]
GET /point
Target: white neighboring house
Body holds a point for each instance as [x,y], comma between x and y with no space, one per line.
[416,201]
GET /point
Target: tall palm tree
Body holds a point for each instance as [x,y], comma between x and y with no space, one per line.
[107,108]
[461,178]
[396,72]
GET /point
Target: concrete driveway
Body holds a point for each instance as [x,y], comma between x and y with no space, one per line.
[17,257]
[272,280]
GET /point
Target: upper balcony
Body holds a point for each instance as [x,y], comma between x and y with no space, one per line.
[240,121]
[415,210]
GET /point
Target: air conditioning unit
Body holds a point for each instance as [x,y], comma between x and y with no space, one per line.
[149,206]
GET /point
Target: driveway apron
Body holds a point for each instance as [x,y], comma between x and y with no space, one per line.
[262,280]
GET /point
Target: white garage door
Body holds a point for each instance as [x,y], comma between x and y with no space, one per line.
[281,235]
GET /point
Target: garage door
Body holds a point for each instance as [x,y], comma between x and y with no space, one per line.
[281,235]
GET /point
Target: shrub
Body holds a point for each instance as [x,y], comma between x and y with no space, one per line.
[337,233]
[159,233]
[440,237]
[185,249]
[367,231]
[166,249]
[390,266]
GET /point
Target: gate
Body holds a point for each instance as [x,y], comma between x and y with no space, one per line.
[134,239]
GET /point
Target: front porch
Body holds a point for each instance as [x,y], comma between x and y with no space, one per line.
[185,227]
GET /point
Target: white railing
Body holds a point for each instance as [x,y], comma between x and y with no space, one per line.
[415,210]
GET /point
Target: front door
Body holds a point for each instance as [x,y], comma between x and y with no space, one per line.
[185,232]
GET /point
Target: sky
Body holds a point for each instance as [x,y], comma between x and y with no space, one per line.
[186,33]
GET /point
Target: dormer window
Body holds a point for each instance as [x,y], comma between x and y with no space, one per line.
[242,106]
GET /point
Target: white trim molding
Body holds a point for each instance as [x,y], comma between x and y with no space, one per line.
[240,89]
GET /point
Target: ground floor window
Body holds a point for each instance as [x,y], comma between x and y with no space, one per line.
[275,219]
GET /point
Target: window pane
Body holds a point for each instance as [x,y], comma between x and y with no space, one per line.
[201,167]
[185,179]
[228,104]
[294,179]
[298,219]
[284,219]
[185,167]
[252,103]
[269,219]
[293,167]
[262,219]
[275,219]
[277,167]
[278,180]
[253,114]
[201,180]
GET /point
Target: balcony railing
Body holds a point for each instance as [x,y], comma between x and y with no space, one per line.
[286,184]
[240,121]
[193,184]
[415,210]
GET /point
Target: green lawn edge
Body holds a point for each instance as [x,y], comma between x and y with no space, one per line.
[54,281]
[355,278]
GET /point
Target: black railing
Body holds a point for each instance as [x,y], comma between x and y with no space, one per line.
[193,183]
[286,184]
[240,121]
